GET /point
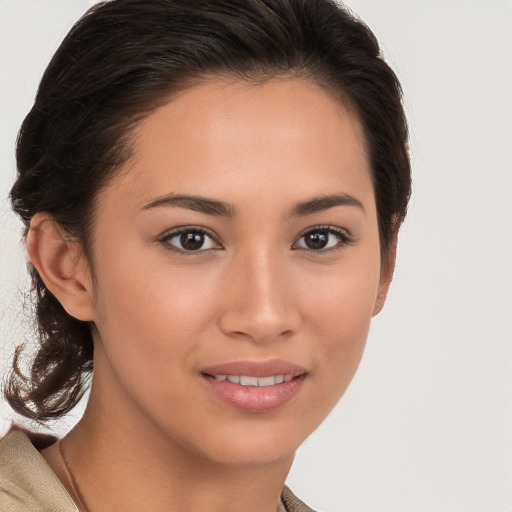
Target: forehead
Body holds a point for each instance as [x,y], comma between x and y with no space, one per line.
[227,137]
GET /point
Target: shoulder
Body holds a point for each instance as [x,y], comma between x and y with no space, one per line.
[292,503]
[26,480]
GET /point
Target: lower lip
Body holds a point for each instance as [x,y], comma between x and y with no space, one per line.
[255,399]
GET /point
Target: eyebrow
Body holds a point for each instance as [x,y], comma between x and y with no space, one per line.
[320,204]
[221,209]
[195,203]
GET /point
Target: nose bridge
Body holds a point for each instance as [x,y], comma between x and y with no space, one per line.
[260,303]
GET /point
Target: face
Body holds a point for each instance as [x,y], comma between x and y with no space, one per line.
[237,266]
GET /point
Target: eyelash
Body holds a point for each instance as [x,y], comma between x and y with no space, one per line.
[196,230]
[344,239]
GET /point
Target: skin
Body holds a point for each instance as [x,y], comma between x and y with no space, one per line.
[153,433]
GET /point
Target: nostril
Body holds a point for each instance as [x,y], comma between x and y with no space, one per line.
[260,314]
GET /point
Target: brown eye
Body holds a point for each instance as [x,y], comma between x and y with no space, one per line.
[316,239]
[190,240]
[323,239]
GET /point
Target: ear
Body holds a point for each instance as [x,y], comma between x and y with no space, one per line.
[58,259]
[386,274]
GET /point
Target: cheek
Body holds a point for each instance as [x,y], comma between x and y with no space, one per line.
[148,340]
[342,299]
[340,307]
[144,290]
[152,316]
[342,324]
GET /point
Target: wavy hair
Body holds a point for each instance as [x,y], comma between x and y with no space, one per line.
[122,60]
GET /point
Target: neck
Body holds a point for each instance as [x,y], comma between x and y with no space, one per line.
[128,464]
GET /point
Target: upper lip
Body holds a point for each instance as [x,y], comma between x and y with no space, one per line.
[255,368]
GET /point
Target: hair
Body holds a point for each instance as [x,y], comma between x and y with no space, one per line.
[122,60]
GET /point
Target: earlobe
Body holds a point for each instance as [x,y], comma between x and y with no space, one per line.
[386,275]
[57,258]
[380,301]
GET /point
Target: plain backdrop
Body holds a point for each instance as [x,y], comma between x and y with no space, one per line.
[426,426]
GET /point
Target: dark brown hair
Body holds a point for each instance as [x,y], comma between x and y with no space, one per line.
[122,60]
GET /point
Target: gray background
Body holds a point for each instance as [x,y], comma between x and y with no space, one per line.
[426,424]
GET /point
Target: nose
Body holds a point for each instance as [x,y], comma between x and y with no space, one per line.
[259,303]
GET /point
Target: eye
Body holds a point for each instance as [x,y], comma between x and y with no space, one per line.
[323,238]
[190,240]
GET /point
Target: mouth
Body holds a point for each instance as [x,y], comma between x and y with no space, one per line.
[249,380]
[255,387]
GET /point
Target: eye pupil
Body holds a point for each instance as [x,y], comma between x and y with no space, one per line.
[316,239]
[192,241]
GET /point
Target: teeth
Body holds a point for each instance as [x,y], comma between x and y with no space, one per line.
[267,381]
[246,380]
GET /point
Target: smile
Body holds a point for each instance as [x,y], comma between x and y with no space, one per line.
[255,386]
[246,380]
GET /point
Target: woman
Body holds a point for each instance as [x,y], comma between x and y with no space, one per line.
[212,193]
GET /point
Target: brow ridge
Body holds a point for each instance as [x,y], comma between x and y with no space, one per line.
[195,203]
[219,208]
[320,204]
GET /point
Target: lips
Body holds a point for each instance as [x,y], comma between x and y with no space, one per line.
[249,380]
[255,387]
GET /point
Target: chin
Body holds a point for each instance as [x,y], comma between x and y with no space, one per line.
[250,448]
[242,455]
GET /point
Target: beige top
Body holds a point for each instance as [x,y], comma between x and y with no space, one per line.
[28,484]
